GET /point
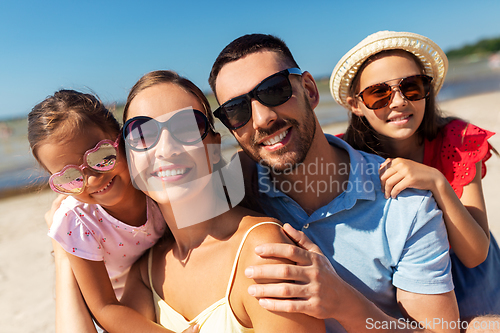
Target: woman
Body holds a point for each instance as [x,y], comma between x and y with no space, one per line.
[196,276]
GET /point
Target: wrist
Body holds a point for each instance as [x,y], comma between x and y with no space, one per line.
[353,303]
[356,315]
[440,183]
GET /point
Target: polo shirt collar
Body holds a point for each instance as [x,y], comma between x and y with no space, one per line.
[361,172]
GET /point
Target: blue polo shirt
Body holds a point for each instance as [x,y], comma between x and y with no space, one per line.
[374,244]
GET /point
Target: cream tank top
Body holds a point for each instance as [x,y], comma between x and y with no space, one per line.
[217,318]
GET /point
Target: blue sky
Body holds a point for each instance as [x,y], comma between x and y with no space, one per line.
[105,46]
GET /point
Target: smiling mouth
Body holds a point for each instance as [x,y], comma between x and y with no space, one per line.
[171,172]
[105,187]
[399,118]
[276,139]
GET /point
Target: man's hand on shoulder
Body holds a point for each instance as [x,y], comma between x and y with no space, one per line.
[311,286]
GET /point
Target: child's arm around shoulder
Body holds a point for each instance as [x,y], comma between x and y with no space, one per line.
[465,218]
[263,320]
[114,316]
[93,279]
[137,293]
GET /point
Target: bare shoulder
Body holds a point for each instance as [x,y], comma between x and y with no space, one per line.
[264,230]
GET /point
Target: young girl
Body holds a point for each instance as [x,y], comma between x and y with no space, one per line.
[198,275]
[105,224]
[389,82]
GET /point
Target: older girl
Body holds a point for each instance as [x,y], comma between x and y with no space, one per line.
[389,82]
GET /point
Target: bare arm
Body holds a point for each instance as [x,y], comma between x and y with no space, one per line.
[320,292]
[473,200]
[466,220]
[137,294]
[113,316]
[262,319]
[72,314]
[71,311]
[438,313]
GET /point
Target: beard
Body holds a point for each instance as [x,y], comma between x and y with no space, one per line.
[283,159]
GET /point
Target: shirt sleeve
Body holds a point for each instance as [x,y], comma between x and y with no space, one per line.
[75,236]
[424,266]
[456,150]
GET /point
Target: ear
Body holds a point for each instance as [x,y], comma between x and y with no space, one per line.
[354,104]
[311,89]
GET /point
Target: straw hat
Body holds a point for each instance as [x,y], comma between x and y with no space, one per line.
[433,58]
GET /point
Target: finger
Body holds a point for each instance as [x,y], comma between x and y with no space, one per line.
[385,166]
[278,290]
[400,186]
[301,239]
[385,163]
[384,178]
[391,182]
[277,272]
[284,251]
[386,173]
[286,305]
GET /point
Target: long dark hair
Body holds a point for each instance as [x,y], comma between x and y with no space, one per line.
[361,135]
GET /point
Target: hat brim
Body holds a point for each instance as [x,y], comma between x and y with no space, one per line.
[429,53]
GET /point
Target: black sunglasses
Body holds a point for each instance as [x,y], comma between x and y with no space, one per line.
[272,91]
[413,88]
[187,127]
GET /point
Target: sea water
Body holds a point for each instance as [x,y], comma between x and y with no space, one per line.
[18,168]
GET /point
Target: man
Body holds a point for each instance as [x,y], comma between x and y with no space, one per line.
[393,251]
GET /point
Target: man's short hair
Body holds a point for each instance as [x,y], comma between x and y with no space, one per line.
[246,45]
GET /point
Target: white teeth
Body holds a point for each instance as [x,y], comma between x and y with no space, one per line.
[171,172]
[275,139]
[105,186]
[400,118]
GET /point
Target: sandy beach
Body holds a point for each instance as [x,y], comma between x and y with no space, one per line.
[27,268]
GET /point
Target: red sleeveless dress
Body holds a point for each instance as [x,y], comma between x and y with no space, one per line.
[455,152]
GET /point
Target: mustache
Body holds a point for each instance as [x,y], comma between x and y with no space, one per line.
[276,126]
